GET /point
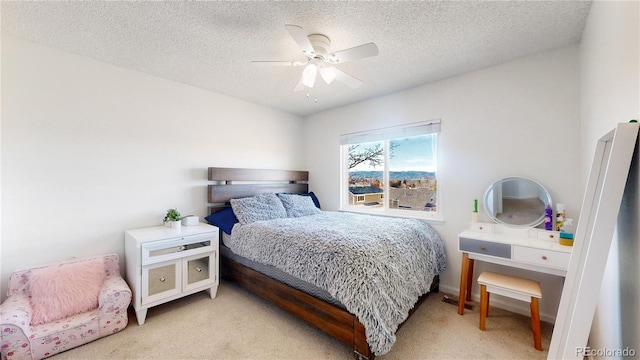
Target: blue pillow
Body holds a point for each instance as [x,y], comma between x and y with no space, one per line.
[223,219]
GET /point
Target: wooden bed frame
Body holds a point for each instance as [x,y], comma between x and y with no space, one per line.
[327,317]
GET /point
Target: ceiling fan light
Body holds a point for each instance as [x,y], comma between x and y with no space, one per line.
[309,75]
[328,74]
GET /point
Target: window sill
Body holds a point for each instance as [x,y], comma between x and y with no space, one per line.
[420,215]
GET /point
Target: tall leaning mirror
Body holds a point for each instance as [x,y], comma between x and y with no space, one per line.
[516,202]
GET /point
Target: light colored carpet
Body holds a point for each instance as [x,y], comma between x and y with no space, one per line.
[239,325]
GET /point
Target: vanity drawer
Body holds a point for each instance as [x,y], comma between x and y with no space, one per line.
[485,248]
[481,227]
[542,257]
[548,235]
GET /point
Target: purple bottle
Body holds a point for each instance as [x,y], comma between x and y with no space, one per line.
[548,218]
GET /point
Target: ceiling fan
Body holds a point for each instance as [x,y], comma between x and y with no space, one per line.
[316,48]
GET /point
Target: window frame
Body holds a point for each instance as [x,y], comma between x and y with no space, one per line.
[389,134]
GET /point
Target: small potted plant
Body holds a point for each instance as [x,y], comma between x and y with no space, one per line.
[173,219]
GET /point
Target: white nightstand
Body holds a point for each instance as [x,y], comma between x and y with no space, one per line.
[163,264]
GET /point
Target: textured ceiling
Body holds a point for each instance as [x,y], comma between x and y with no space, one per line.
[211,44]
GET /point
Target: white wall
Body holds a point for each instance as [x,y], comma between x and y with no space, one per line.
[515,119]
[90,150]
[610,82]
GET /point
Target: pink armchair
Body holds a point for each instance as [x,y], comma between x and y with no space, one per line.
[30,329]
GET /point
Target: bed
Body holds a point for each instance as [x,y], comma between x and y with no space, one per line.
[311,295]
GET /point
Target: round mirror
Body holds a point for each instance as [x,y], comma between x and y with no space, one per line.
[516,201]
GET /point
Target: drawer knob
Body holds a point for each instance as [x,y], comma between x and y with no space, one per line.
[483,247]
[198,269]
[162,279]
[551,236]
[544,257]
[480,228]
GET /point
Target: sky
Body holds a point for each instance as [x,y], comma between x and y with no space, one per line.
[406,156]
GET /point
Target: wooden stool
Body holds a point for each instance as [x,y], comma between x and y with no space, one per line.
[515,288]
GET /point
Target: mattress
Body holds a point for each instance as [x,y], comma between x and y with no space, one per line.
[277,274]
[377,267]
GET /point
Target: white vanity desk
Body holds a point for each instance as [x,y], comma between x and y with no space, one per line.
[529,248]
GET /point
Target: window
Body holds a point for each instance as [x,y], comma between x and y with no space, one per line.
[392,170]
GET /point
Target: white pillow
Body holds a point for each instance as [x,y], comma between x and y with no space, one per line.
[258,208]
[297,205]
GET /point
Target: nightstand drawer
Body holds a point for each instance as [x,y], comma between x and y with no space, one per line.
[160,281]
[485,248]
[159,251]
[542,257]
[199,270]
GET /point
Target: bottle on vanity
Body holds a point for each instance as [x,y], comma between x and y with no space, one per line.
[548,218]
[474,213]
[560,216]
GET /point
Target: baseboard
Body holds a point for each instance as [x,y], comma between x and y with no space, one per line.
[518,307]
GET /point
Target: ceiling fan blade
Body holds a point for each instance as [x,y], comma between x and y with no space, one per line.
[300,37]
[347,79]
[277,63]
[358,52]
[299,86]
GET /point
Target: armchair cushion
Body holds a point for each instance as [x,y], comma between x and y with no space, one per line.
[21,339]
[64,290]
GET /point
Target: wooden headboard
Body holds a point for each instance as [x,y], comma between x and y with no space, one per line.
[255,181]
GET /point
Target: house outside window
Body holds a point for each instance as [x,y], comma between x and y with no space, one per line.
[392,171]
